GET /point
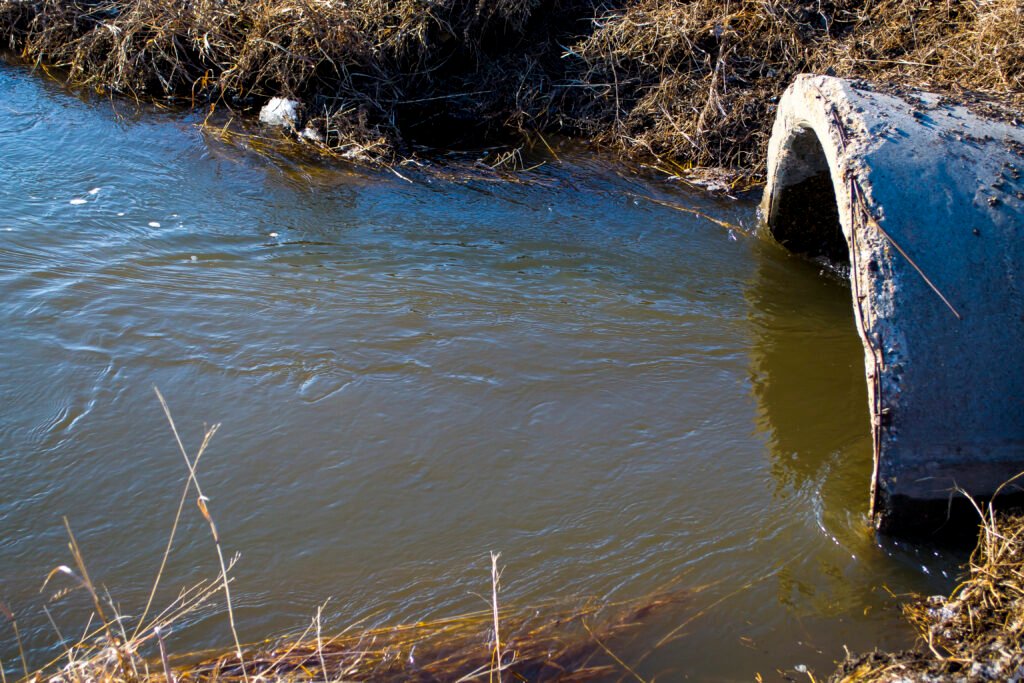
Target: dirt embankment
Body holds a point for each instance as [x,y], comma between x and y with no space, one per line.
[693,81]
[974,635]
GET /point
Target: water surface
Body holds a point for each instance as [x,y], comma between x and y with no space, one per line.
[615,395]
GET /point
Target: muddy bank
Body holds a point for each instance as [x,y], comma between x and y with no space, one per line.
[976,634]
[691,82]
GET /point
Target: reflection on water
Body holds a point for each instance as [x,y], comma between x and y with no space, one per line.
[807,372]
[807,375]
[615,395]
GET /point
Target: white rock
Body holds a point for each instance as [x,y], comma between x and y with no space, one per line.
[311,134]
[280,111]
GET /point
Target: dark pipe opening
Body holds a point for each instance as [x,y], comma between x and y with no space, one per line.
[804,216]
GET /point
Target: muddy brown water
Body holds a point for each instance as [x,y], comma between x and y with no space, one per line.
[615,395]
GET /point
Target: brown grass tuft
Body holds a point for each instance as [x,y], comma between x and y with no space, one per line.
[694,81]
[699,80]
[977,633]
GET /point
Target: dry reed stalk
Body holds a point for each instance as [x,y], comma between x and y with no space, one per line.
[6,611]
[320,642]
[495,578]
[119,649]
[167,552]
[201,503]
[164,661]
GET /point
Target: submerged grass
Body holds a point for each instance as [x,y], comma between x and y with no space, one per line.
[693,82]
[545,643]
[549,643]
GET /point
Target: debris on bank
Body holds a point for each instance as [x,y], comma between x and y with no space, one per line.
[974,635]
[690,81]
[281,112]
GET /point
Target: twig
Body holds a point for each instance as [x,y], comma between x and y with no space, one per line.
[163,655]
[611,654]
[700,214]
[17,636]
[876,225]
[320,643]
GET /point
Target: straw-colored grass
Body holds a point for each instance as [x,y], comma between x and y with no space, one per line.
[699,80]
[545,643]
[976,634]
[694,82]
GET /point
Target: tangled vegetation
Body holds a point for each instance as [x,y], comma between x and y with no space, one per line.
[546,644]
[974,635]
[693,81]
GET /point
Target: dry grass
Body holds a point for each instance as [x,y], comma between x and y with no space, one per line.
[694,82]
[376,76]
[977,633]
[698,80]
[545,643]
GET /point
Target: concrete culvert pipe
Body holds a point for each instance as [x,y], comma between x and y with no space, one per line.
[924,200]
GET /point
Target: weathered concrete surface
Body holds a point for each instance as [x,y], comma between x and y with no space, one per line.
[925,201]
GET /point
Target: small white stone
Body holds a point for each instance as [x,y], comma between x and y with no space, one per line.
[194,258]
[154,224]
[273,234]
[311,134]
[120,213]
[280,111]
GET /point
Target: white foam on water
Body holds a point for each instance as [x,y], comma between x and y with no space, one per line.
[154,224]
[77,201]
